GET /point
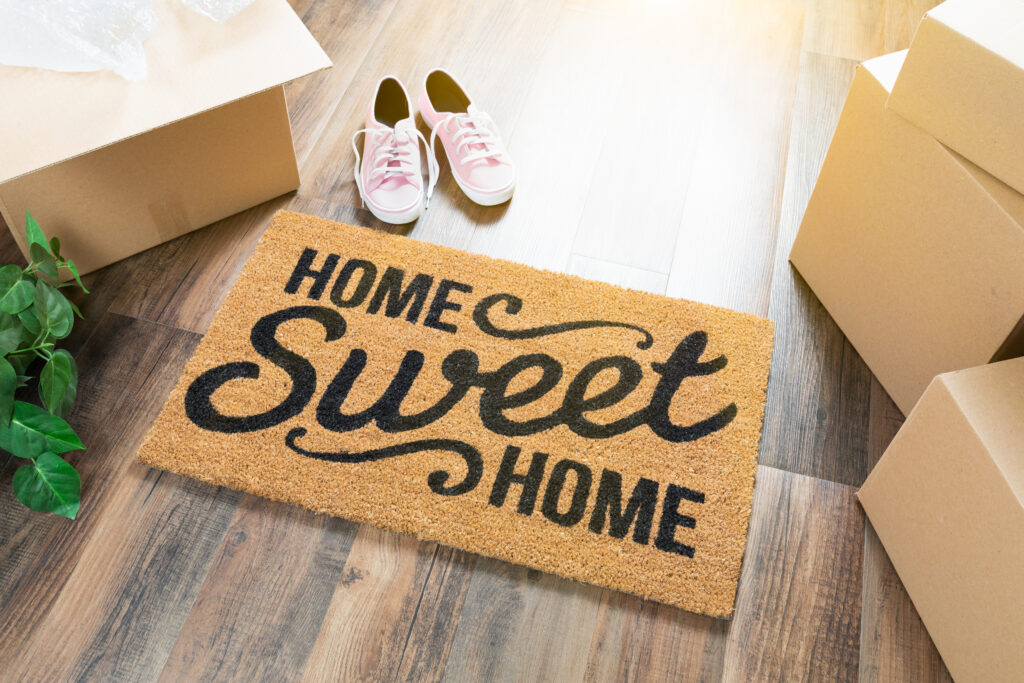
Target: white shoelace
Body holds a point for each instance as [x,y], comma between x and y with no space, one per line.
[390,148]
[473,129]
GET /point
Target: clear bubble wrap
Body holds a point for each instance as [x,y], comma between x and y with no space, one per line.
[89,35]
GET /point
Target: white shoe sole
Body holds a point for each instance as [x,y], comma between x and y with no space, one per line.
[485,199]
[397,218]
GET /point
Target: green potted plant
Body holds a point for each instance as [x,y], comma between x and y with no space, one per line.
[34,316]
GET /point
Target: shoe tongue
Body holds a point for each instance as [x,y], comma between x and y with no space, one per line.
[476,146]
[405,126]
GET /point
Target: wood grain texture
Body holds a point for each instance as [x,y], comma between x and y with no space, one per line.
[862,29]
[272,580]
[816,418]
[724,250]
[372,609]
[798,604]
[669,147]
[120,388]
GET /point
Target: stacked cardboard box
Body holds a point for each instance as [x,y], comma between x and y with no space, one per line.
[914,241]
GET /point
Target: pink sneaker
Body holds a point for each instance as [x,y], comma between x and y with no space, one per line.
[388,172]
[479,162]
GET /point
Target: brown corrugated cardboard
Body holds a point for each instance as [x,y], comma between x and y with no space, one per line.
[963,82]
[113,167]
[947,501]
[915,252]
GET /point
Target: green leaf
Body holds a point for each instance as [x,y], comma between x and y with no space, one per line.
[55,247]
[70,265]
[8,385]
[20,363]
[53,310]
[10,333]
[33,431]
[76,310]
[15,292]
[33,232]
[49,485]
[43,260]
[58,383]
[30,323]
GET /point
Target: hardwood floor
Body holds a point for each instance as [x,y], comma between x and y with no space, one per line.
[723,111]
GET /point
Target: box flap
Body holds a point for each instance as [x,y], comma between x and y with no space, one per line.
[195,64]
[992,399]
[997,25]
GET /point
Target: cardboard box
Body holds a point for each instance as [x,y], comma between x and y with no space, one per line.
[963,82]
[114,167]
[947,501]
[916,253]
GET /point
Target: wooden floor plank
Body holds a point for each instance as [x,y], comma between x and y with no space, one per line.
[183,282]
[636,640]
[894,644]
[723,251]
[426,649]
[618,274]
[520,624]
[372,609]
[798,605]
[267,592]
[862,29]
[126,371]
[346,31]
[132,576]
[816,418]
[557,140]
[639,190]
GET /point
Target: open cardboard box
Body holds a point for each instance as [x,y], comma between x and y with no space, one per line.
[917,253]
[963,82]
[947,501]
[113,167]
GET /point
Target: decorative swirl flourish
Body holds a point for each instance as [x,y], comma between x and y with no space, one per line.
[436,480]
[514,304]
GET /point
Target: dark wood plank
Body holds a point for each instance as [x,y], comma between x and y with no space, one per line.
[426,649]
[520,624]
[93,595]
[816,419]
[371,612]
[894,644]
[638,640]
[267,592]
[183,282]
[798,606]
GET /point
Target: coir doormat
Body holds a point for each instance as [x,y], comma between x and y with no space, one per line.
[599,433]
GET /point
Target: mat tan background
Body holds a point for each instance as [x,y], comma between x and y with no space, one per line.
[199,581]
